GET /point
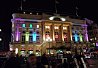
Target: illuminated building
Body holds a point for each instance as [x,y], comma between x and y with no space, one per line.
[29,32]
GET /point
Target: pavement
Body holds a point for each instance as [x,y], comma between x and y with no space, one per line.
[93,63]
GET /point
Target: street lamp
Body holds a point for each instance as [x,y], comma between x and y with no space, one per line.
[49,40]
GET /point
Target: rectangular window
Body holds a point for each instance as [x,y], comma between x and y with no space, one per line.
[65,37]
[80,38]
[56,27]
[64,28]
[73,38]
[23,25]
[34,36]
[23,39]
[37,26]
[30,39]
[47,27]
[30,25]
[47,34]
[76,38]
[27,36]
[37,38]
[56,36]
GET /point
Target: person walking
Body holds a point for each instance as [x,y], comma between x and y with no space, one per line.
[32,62]
[12,61]
[44,60]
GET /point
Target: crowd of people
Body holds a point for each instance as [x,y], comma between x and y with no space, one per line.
[45,61]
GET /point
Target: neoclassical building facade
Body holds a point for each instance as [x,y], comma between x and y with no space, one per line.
[37,33]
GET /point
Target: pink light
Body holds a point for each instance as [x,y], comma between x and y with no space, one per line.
[56,36]
[20,20]
[84,25]
[96,44]
[65,36]
[86,37]
[17,36]
[47,36]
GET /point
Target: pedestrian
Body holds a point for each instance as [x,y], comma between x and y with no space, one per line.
[32,62]
[12,61]
[44,60]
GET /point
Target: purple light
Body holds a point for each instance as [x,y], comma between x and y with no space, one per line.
[96,44]
[86,36]
[88,21]
[84,25]
[17,36]
[20,19]
[17,33]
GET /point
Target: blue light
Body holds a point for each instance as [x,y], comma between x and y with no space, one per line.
[23,25]
[76,38]
[34,36]
[31,26]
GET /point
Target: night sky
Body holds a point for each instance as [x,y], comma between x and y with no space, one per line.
[86,9]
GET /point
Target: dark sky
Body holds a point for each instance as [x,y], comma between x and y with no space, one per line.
[86,9]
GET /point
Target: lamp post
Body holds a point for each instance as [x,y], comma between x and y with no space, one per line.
[49,40]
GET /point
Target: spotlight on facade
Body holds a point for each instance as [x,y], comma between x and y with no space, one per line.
[51,18]
[63,19]
[16,51]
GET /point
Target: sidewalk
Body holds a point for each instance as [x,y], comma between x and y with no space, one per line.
[93,63]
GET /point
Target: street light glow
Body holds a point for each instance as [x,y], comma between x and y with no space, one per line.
[0,30]
[63,19]
[16,51]
[24,12]
[51,18]
[30,13]
[0,39]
